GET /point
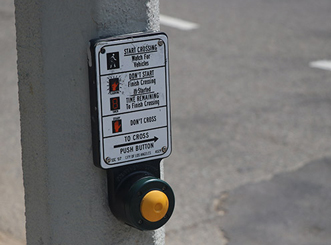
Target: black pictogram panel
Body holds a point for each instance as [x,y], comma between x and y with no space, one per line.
[113,61]
[117,126]
[115,103]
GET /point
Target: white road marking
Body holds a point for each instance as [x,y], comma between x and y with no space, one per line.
[177,23]
[321,64]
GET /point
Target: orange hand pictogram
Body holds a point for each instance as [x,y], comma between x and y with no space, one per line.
[114,86]
[117,126]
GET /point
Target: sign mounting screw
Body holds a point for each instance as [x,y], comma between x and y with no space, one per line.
[164,149]
[107,159]
[160,42]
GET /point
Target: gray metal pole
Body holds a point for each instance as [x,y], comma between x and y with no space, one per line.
[65,195]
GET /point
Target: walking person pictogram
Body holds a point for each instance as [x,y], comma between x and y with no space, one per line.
[113,61]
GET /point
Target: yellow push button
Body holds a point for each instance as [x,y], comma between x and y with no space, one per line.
[154,206]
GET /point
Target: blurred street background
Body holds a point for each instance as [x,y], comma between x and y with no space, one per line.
[251,123]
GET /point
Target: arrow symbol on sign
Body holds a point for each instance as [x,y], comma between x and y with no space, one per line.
[137,142]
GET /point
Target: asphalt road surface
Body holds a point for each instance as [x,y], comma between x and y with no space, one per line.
[246,107]
[251,161]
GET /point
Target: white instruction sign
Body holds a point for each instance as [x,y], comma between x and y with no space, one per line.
[132,81]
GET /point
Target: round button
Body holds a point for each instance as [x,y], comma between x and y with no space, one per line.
[154,206]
